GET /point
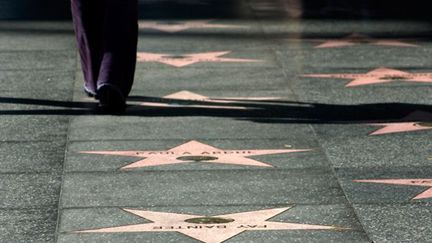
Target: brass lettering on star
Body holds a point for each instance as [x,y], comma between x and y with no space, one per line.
[205,227]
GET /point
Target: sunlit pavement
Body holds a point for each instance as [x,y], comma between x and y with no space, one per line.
[249,121]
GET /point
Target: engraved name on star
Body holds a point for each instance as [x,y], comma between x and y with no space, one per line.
[408,126]
[194,151]
[189,59]
[379,75]
[186,98]
[214,229]
[356,39]
[178,26]
[406,182]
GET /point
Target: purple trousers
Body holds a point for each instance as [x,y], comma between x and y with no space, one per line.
[107,33]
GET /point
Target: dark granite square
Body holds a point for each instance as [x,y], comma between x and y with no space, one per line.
[29,190]
[396,223]
[200,188]
[43,156]
[28,225]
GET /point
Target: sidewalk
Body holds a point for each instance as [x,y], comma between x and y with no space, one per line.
[238,130]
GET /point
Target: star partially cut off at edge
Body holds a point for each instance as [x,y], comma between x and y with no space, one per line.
[410,126]
[194,151]
[180,99]
[356,39]
[178,26]
[379,75]
[189,59]
[406,182]
[229,225]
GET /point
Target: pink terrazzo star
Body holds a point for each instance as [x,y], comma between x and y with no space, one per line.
[189,59]
[178,26]
[195,151]
[398,127]
[379,75]
[180,99]
[407,182]
[409,126]
[355,39]
[214,229]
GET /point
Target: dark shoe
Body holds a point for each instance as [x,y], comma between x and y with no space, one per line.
[89,93]
[111,100]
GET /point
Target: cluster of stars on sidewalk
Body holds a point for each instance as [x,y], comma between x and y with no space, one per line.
[219,228]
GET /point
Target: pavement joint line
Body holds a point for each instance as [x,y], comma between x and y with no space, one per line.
[180,139]
[313,170]
[328,162]
[269,205]
[118,172]
[338,181]
[65,154]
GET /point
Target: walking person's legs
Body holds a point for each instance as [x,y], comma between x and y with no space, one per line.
[107,33]
[88,22]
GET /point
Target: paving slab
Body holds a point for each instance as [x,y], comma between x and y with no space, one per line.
[77,219]
[200,188]
[29,190]
[15,40]
[36,80]
[37,156]
[32,128]
[28,225]
[122,128]
[396,223]
[34,60]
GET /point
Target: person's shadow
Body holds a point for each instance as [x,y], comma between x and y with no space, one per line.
[268,111]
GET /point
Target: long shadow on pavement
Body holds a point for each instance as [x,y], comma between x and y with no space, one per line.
[271,111]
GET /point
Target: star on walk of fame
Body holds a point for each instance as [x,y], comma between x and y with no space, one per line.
[194,151]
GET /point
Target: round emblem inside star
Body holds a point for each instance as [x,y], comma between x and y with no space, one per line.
[178,57]
[393,77]
[209,220]
[197,158]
